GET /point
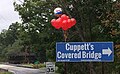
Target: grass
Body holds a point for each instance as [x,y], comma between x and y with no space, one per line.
[6,73]
[34,65]
[28,65]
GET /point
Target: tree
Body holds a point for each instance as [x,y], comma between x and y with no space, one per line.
[37,33]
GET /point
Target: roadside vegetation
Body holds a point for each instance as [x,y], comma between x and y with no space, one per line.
[6,73]
[35,66]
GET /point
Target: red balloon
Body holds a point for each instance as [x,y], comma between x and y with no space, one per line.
[59,22]
[65,25]
[64,17]
[55,24]
[63,22]
[69,23]
[73,21]
[68,17]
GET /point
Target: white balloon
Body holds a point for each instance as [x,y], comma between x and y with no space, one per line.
[58,10]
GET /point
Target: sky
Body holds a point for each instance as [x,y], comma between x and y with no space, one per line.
[7,14]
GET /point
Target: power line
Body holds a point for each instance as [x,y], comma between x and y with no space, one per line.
[2,17]
[20,1]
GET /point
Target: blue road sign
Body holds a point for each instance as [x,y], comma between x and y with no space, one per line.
[84,52]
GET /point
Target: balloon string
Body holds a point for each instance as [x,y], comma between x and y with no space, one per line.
[65,64]
[65,36]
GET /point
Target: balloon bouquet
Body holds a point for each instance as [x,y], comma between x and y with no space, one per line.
[63,21]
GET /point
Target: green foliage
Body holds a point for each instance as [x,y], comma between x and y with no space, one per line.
[14,49]
[60,68]
[6,73]
[35,65]
[39,65]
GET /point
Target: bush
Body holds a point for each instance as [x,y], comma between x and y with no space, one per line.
[6,73]
[60,68]
[38,65]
